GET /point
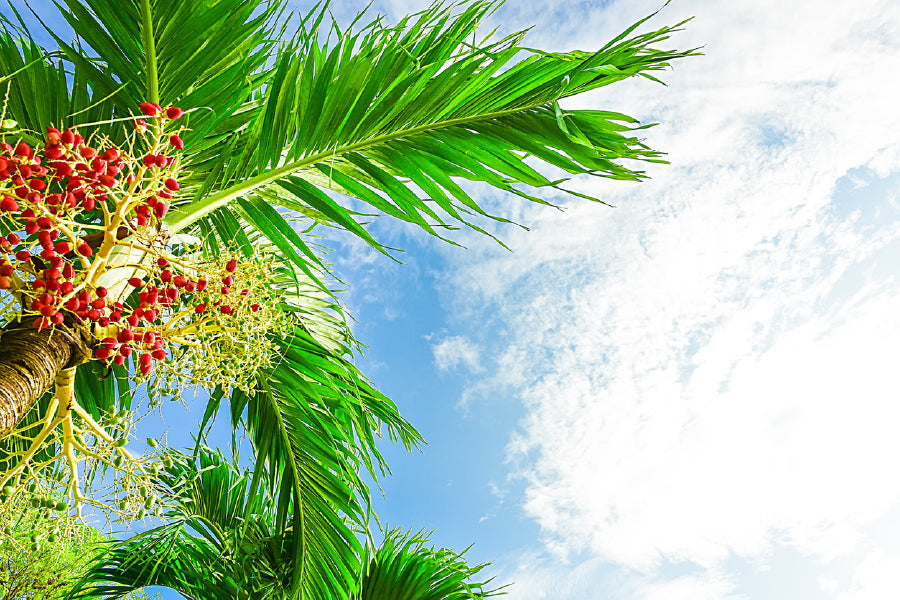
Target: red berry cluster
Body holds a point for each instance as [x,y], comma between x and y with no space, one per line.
[42,191]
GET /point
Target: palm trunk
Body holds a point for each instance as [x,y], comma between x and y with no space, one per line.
[29,362]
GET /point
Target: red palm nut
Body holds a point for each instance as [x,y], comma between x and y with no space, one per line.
[101,292]
[38,185]
[68,271]
[13,238]
[126,335]
[162,160]
[67,137]
[31,227]
[132,320]
[231,265]
[140,124]
[245,292]
[254,307]
[6,270]
[177,142]
[49,253]
[149,160]
[199,308]
[179,280]
[161,262]
[94,314]
[201,285]
[190,286]
[88,203]
[141,220]
[228,280]
[111,155]
[173,112]
[62,247]
[135,282]
[51,273]
[149,337]
[44,239]
[53,152]
[172,184]
[98,303]
[5,283]
[58,318]
[66,287]
[87,152]
[226,309]
[158,354]
[85,250]
[102,353]
[23,149]
[115,316]
[126,350]
[44,223]
[23,256]
[73,304]
[166,276]
[106,180]
[119,360]
[160,210]
[148,108]
[48,311]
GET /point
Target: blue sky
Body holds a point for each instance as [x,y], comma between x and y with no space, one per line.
[694,394]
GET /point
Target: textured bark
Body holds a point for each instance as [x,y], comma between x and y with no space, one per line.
[29,362]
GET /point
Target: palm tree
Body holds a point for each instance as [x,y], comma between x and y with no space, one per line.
[289,130]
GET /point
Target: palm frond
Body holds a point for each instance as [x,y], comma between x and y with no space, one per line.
[392,116]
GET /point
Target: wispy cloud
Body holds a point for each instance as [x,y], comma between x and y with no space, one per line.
[454,351]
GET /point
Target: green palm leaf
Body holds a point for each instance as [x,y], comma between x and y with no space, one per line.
[402,568]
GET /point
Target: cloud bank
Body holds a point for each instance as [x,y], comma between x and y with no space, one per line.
[709,369]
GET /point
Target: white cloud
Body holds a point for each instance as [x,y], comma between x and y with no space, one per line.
[709,370]
[454,351]
[876,578]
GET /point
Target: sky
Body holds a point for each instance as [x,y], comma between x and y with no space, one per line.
[692,394]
